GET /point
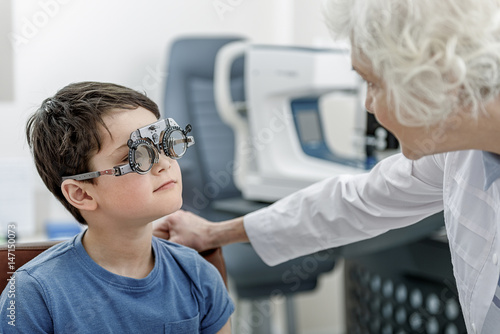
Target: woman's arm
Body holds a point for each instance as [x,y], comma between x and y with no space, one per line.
[337,211]
[196,232]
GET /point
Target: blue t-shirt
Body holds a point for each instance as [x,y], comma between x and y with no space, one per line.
[64,291]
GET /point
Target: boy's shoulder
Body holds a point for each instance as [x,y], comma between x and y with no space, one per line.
[57,253]
[187,258]
[176,250]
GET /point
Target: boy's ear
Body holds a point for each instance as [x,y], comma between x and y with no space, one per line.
[76,194]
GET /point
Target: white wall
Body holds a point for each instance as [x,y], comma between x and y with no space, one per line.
[6,68]
[57,42]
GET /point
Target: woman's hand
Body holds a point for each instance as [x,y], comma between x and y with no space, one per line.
[193,231]
[184,228]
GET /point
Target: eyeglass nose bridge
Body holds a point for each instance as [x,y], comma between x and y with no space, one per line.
[152,132]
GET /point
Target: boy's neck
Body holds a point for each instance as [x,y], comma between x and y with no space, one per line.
[126,252]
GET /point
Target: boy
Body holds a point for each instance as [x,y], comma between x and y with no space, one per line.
[115,277]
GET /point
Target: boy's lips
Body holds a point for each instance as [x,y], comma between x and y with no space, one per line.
[166,185]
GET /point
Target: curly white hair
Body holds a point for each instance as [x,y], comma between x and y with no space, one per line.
[435,56]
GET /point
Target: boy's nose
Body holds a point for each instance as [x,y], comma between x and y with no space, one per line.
[164,162]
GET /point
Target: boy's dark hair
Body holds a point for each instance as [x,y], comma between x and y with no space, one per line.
[63,134]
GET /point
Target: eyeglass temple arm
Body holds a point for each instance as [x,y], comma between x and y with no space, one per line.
[91,175]
[117,170]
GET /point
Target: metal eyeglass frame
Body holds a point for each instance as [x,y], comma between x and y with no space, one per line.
[155,137]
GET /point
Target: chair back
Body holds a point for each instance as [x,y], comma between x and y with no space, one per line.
[207,167]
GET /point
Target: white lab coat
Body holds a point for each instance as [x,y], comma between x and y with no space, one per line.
[396,193]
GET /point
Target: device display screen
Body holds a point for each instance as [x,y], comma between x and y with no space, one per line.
[309,126]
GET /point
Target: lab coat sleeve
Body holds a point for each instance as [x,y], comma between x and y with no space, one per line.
[397,192]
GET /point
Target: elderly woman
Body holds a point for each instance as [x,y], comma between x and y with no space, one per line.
[433,74]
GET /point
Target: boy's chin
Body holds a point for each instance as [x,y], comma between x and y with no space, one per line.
[174,207]
[179,206]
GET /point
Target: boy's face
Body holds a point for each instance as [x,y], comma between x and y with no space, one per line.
[134,197]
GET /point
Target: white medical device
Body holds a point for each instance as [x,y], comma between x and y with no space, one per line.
[287,135]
